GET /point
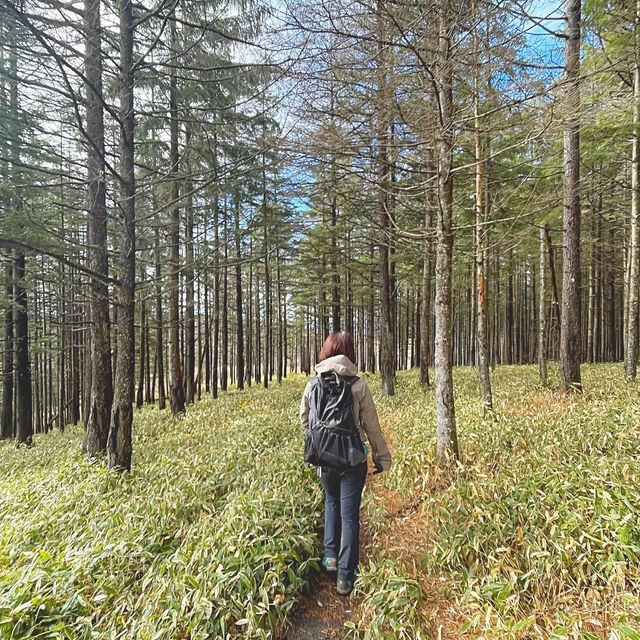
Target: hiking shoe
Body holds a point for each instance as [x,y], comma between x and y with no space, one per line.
[330,564]
[344,587]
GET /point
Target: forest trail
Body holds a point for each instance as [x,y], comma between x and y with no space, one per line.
[321,613]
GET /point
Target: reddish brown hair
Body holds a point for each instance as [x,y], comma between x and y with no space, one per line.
[339,343]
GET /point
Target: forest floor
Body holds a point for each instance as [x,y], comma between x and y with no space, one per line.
[214,533]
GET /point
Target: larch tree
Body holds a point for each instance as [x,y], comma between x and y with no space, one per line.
[176,392]
[447,439]
[631,351]
[570,324]
[6,428]
[23,386]
[542,309]
[481,303]
[383,187]
[101,381]
[119,442]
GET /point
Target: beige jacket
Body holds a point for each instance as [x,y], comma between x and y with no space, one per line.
[364,410]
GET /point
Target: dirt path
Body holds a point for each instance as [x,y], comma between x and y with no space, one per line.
[321,612]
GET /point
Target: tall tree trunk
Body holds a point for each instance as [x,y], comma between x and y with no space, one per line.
[148,396]
[447,440]
[239,322]
[224,373]
[591,300]
[371,318]
[6,428]
[37,407]
[555,309]
[216,297]
[101,396]
[177,389]
[189,319]
[75,354]
[159,321]
[387,355]
[8,374]
[119,441]
[62,343]
[200,352]
[631,358]
[249,318]
[542,311]
[335,276]
[267,280]
[509,319]
[611,287]
[279,302]
[24,419]
[143,347]
[207,324]
[427,268]
[570,329]
[258,341]
[481,303]
[23,404]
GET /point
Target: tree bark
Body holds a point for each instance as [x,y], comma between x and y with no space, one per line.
[101,395]
[239,319]
[634,235]
[23,401]
[481,304]
[267,281]
[570,324]
[177,389]
[555,312]
[249,318]
[141,361]
[224,369]
[280,315]
[216,296]
[387,355]
[119,442]
[371,318]
[24,418]
[427,268]
[447,439]
[189,319]
[542,311]
[509,319]
[6,428]
[159,322]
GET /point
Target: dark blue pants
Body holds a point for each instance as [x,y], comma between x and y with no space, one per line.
[343,491]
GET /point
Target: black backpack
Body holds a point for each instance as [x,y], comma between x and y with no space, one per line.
[333,440]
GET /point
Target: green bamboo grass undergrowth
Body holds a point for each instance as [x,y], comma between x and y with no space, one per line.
[210,536]
[538,528]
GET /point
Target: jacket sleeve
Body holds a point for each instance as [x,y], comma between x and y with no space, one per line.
[304,407]
[371,425]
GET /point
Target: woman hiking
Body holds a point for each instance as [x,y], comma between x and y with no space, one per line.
[337,391]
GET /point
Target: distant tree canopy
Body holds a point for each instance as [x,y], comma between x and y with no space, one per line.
[193,195]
